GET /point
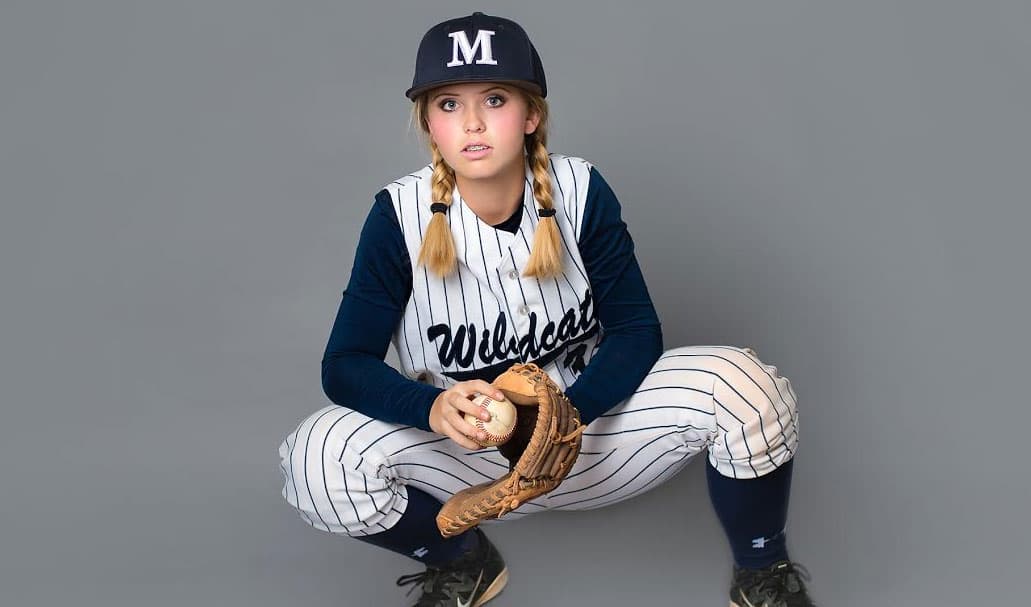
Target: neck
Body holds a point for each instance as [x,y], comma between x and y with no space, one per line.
[494,199]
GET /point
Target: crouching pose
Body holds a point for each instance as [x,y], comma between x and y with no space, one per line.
[501,253]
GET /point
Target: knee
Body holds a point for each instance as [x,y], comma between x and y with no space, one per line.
[749,392]
[740,371]
[318,447]
[756,414]
[324,477]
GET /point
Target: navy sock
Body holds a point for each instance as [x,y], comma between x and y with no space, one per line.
[753,513]
[416,535]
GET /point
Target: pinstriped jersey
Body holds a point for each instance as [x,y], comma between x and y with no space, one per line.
[485,316]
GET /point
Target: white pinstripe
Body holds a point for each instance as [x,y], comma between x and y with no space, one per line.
[347,473]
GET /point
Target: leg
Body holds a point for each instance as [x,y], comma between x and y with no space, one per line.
[383,484]
[755,412]
[719,397]
[644,440]
[750,462]
[350,474]
[749,476]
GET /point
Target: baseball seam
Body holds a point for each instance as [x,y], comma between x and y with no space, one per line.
[490,435]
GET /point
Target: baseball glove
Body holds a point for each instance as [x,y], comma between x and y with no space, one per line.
[542,450]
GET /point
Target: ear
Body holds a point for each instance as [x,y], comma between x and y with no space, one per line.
[533,120]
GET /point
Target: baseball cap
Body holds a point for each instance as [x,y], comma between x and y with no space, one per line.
[477,48]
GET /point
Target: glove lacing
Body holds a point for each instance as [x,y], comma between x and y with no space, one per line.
[516,483]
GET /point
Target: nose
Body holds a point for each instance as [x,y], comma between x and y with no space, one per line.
[473,121]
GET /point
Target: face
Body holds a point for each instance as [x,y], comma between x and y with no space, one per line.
[485,113]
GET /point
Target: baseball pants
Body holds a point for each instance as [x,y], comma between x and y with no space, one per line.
[348,473]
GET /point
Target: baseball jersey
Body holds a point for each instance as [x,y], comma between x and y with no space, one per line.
[593,328]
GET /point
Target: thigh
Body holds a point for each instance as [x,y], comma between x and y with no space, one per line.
[636,446]
[347,472]
[644,440]
[681,408]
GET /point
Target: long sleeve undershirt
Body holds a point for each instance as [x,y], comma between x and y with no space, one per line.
[355,375]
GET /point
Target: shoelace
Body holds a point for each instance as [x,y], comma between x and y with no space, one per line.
[782,579]
[433,580]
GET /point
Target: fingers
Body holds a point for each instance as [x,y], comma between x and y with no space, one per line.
[473,387]
[454,403]
[460,438]
[454,415]
[465,405]
[467,390]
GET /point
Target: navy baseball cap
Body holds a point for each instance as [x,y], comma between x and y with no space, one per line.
[477,48]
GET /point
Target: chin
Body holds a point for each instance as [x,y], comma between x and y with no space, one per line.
[486,168]
[478,171]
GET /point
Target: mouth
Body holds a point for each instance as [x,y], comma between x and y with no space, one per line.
[476,151]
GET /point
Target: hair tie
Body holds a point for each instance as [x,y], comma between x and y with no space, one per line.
[438,207]
[546,212]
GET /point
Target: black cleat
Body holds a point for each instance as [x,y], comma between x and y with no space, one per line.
[779,585]
[470,581]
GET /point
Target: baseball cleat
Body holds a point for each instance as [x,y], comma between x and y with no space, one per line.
[779,585]
[470,581]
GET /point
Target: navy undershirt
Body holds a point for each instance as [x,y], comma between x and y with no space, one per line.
[512,223]
[355,374]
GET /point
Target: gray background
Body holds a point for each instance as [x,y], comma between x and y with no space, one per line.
[841,186]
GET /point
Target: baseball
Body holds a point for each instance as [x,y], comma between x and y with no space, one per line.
[502,420]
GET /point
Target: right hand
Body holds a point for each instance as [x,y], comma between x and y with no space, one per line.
[447,415]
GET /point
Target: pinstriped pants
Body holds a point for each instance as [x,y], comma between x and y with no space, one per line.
[348,473]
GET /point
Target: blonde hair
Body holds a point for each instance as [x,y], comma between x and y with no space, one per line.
[438,247]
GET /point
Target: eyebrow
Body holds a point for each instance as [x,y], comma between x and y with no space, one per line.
[453,94]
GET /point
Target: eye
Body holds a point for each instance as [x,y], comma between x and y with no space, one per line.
[447,105]
[499,99]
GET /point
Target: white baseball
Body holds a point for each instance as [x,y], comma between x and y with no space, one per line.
[502,420]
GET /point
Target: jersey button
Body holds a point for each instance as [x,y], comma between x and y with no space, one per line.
[513,275]
[524,309]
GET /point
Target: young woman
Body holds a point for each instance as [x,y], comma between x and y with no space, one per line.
[499,252]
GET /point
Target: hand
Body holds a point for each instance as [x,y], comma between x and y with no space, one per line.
[447,416]
[547,457]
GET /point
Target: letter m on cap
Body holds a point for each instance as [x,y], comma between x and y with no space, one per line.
[461,44]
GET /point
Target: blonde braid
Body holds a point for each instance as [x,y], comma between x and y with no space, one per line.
[545,256]
[438,247]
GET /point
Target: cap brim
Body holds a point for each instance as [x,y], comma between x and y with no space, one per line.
[415,91]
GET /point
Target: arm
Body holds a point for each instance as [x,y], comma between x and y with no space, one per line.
[632,339]
[354,373]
